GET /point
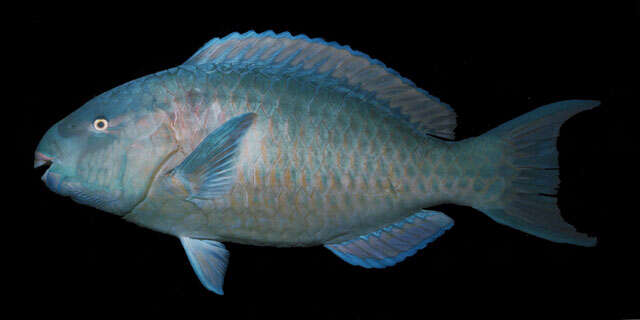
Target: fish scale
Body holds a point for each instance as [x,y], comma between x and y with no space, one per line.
[328,184]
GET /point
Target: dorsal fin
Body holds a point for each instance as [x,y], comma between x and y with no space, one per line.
[423,111]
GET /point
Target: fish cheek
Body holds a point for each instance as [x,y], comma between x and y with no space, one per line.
[144,158]
[99,163]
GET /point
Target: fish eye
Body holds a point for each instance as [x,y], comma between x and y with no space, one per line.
[100,124]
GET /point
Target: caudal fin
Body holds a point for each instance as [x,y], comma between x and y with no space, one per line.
[530,143]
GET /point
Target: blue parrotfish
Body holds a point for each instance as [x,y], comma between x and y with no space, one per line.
[278,140]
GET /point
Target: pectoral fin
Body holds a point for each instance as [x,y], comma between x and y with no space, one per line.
[209,260]
[209,170]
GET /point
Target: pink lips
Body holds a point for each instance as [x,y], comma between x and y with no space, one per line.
[41,159]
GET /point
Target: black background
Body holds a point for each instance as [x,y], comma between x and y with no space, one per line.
[488,70]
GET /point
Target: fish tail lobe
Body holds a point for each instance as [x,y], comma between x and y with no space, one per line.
[529,170]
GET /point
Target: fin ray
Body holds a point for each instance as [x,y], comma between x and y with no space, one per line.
[530,142]
[394,243]
[209,260]
[208,171]
[285,52]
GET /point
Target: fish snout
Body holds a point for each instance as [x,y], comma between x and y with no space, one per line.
[53,180]
[48,155]
[49,148]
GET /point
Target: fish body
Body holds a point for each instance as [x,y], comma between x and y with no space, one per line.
[269,139]
[321,162]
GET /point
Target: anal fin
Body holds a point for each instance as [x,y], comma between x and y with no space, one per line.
[393,243]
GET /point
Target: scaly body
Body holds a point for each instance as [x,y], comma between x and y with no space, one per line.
[321,164]
[270,139]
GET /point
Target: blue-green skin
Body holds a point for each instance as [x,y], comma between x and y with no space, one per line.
[323,162]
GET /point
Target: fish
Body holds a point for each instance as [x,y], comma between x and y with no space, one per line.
[271,139]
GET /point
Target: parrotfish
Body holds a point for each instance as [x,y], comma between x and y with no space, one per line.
[278,140]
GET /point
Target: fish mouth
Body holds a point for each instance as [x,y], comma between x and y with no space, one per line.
[42,159]
[66,187]
[52,180]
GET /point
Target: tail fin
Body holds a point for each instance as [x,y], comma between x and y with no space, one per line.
[531,149]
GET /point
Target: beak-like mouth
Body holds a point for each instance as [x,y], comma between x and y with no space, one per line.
[51,179]
[41,159]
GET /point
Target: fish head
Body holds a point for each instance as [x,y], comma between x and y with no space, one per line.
[106,154]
